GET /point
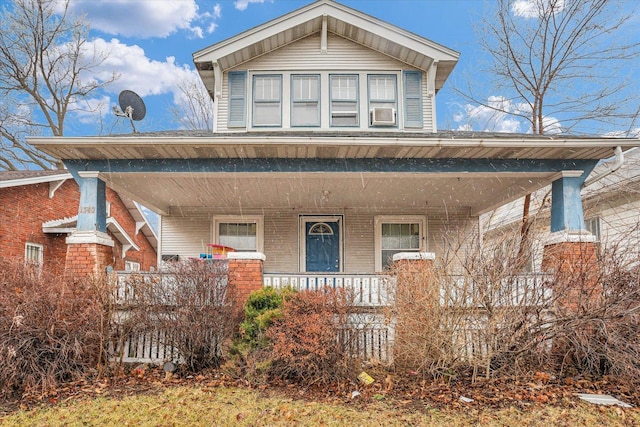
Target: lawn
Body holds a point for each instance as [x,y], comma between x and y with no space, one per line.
[202,405]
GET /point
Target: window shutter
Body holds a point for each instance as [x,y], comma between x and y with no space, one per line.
[413,99]
[237,99]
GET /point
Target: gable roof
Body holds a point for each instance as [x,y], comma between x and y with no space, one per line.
[324,16]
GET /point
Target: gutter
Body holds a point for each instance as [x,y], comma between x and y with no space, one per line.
[617,164]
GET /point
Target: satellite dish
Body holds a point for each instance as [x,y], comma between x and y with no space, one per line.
[131,106]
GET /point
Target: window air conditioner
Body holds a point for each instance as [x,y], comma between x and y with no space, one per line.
[383,116]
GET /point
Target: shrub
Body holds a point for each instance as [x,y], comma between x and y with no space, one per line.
[191,305]
[261,309]
[474,310]
[309,343]
[50,331]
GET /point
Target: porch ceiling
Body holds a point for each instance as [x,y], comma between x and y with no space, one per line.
[476,192]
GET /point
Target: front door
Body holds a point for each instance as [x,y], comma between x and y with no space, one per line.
[321,244]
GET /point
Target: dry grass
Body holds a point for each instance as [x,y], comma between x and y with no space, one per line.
[222,406]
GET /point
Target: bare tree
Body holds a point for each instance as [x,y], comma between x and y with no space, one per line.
[562,65]
[193,107]
[46,67]
[559,65]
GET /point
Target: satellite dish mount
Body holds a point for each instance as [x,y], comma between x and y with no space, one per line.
[131,107]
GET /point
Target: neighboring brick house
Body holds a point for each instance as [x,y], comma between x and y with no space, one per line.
[39,210]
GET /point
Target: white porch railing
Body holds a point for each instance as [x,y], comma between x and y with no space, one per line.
[369,290]
[370,333]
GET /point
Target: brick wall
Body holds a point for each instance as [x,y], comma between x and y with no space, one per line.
[24,209]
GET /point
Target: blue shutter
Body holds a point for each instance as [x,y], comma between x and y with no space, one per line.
[413,99]
[237,99]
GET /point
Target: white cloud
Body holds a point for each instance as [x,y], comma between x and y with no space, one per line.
[135,18]
[534,8]
[500,115]
[243,4]
[136,72]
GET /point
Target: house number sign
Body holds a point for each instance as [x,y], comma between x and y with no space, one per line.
[87,209]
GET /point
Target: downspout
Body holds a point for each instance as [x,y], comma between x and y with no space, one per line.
[617,163]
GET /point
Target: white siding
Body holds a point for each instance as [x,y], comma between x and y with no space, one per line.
[185,236]
[187,233]
[342,56]
[619,228]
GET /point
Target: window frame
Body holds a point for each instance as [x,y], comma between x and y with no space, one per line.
[344,113]
[372,101]
[133,265]
[255,102]
[239,219]
[379,220]
[594,222]
[40,251]
[294,101]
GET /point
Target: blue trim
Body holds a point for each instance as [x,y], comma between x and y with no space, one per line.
[439,165]
[566,204]
[408,123]
[237,78]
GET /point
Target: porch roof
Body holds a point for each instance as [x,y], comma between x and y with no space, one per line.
[331,145]
[398,171]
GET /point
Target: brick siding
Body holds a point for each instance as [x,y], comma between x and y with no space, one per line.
[23,210]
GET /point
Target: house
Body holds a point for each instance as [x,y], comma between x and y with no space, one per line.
[611,200]
[39,213]
[326,163]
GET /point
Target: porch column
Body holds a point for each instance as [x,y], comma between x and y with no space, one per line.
[566,203]
[245,274]
[89,247]
[570,252]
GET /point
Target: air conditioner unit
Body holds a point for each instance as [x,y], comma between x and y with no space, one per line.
[383,116]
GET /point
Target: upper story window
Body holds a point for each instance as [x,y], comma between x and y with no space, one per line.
[338,100]
[383,100]
[267,100]
[344,100]
[305,100]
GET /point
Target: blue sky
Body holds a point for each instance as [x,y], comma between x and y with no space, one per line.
[151,43]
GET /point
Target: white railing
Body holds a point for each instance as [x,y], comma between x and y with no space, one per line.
[369,290]
[369,333]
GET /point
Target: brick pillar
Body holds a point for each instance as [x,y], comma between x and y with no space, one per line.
[417,299]
[572,259]
[245,274]
[88,255]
